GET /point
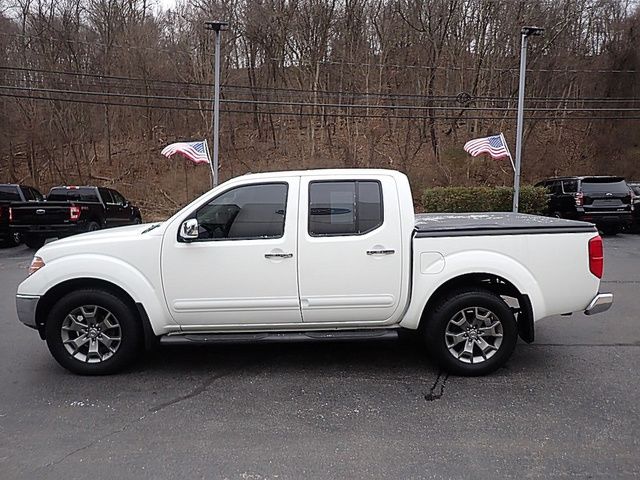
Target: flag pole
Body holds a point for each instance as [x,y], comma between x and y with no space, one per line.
[504,142]
[213,175]
[186,179]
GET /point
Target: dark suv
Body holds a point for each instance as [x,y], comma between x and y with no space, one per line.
[603,200]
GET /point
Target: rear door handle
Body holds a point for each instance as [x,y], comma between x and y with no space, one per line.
[380,252]
[278,255]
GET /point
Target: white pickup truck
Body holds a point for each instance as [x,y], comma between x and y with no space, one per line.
[311,255]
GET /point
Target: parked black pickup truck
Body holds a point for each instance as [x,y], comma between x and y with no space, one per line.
[71,210]
[9,194]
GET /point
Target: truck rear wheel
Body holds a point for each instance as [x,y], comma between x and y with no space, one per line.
[34,241]
[93,332]
[93,226]
[471,332]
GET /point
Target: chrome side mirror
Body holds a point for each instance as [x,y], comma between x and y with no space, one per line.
[189,230]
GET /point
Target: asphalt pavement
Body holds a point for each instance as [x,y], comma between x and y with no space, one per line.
[565,406]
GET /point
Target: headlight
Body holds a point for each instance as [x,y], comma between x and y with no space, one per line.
[36,264]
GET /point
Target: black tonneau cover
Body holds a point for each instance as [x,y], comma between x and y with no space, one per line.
[498,223]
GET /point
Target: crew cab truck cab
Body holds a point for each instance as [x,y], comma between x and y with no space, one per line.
[311,255]
[70,210]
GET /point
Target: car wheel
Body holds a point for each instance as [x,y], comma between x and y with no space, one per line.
[34,241]
[93,332]
[93,226]
[471,332]
[12,240]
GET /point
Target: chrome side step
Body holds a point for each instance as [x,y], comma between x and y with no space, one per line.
[279,337]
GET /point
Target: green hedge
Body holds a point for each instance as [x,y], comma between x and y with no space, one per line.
[483,199]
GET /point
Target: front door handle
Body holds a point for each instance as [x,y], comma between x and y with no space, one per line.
[278,255]
[380,252]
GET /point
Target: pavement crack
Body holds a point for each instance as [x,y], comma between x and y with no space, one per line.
[193,393]
[91,443]
[437,389]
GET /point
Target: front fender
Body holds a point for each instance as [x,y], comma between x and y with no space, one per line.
[470,262]
[109,269]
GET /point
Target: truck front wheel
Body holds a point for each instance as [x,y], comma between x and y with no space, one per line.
[93,332]
[471,332]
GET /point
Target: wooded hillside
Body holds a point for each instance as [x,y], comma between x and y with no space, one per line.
[91,90]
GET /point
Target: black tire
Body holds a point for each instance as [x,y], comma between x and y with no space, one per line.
[442,317]
[93,226]
[129,330]
[614,230]
[12,239]
[34,241]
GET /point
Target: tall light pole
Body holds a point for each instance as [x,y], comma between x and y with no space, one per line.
[217,27]
[525,33]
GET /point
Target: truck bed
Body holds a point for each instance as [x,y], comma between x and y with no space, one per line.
[500,223]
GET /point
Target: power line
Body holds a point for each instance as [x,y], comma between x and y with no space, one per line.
[313,104]
[319,114]
[255,89]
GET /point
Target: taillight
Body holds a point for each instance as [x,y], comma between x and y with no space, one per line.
[596,256]
[1,212]
[74,213]
[579,199]
[10,214]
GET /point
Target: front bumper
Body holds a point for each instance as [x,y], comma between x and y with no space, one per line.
[600,303]
[26,307]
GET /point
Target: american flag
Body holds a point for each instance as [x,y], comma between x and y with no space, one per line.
[195,151]
[494,146]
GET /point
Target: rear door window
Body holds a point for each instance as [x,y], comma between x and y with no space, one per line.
[106,195]
[344,207]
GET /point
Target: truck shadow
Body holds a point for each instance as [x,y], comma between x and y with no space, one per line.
[290,357]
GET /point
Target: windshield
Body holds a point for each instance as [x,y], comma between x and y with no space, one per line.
[72,194]
[605,186]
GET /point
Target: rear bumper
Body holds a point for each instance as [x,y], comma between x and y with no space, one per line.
[26,306]
[605,218]
[600,303]
[50,230]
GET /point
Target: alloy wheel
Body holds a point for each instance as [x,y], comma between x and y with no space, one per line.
[91,334]
[474,335]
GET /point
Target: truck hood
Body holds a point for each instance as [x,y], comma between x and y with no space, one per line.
[100,241]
